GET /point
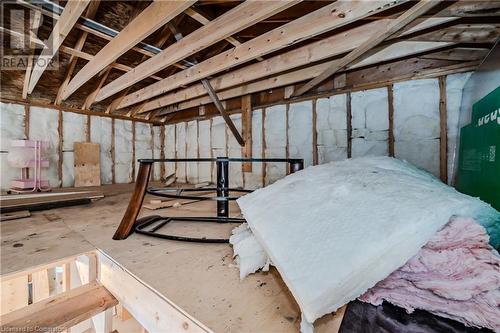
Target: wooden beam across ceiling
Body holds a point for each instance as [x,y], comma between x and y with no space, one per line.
[241,17]
[67,20]
[394,51]
[90,13]
[327,18]
[148,21]
[313,52]
[404,19]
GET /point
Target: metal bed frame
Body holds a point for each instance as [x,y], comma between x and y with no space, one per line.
[149,225]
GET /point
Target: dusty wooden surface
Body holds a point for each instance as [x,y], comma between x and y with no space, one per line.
[200,278]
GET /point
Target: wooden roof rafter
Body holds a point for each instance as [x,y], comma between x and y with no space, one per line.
[61,29]
[313,52]
[327,18]
[224,26]
[153,17]
[407,17]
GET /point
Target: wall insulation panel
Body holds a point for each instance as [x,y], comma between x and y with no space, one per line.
[180,133]
[275,141]
[204,150]
[74,126]
[100,132]
[123,151]
[44,127]
[143,144]
[253,180]
[416,123]
[370,122]
[169,149]
[234,150]
[300,141]
[331,127]
[11,128]
[219,148]
[454,87]
[156,151]
[192,151]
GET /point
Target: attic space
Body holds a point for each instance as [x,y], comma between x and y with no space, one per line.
[250,166]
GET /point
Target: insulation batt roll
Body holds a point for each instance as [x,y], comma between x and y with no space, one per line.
[334,230]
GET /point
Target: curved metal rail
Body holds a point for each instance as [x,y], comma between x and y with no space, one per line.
[150,225]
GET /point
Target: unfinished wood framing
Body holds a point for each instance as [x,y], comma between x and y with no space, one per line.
[443,135]
[390,103]
[68,18]
[405,18]
[307,26]
[153,17]
[246,125]
[349,125]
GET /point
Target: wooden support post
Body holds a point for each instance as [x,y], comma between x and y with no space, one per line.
[314,132]
[113,173]
[60,148]
[287,143]
[390,102]
[87,132]
[443,139]
[66,280]
[349,125]
[162,152]
[246,125]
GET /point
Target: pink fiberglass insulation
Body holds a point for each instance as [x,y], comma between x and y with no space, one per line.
[455,275]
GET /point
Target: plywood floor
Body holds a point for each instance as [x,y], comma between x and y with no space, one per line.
[200,278]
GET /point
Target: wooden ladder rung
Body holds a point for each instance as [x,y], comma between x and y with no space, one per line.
[61,311]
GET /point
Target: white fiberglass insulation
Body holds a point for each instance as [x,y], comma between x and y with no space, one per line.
[204,174]
[73,126]
[416,123]
[370,122]
[454,86]
[300,143]
[192,151]
[331,128]
[180,132]
[123,151]
[43,126]
[275,139]
[335,230]
[234,150]
[253,179]
[100,132]
[169,149]
[11,128]
[143,144]
[156,152]
[219,148]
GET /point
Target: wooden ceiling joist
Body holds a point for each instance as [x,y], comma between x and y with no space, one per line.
[407,17]
[196,15]
[317,51]
[394,51]
[67,20]
[327,18]
[241,17]
[148,21]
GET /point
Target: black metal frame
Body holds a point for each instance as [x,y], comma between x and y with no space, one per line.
[149,225]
